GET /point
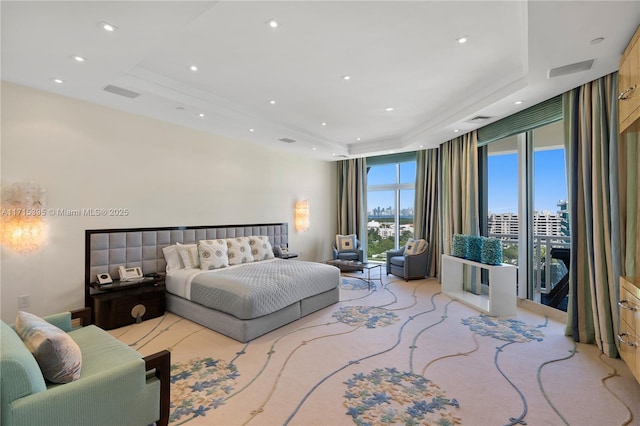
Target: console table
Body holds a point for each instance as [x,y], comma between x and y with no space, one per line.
[502,286]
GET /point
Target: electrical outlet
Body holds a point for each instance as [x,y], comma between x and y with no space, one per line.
[24,301]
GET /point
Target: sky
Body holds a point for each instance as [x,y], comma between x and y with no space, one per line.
[549,182]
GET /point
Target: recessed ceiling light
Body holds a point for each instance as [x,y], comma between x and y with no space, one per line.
[462,40]
[108,27]
[272,23]
[518,102]
[324,124]
[252,130]
[456,130]
[314,148]
[57,80]
[201,115]
[421,146]
[193,68]
[389,109]
[78,58]
[357,139]
[272,102]
[346,77]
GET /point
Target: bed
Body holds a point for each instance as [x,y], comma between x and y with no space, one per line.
[243,300]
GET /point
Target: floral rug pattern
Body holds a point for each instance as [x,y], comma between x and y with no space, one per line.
[199,385]
[390,396]
[506,329]
[369,316]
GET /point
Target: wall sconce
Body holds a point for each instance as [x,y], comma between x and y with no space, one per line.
[301,215]
[23,210]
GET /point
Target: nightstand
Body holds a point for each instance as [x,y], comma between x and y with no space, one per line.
[122,303]
[288,256]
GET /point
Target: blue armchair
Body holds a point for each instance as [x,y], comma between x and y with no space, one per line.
[408,266]
[352,250]
[117,385]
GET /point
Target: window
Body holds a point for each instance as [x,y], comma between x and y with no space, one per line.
[525,207]
[390,204]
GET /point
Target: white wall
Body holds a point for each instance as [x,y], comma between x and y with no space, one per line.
[87,156]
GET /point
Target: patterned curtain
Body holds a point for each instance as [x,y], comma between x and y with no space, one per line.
[602,184]
[426,221]
[352,199]
[458,193]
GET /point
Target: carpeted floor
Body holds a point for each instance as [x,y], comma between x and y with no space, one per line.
[402,354]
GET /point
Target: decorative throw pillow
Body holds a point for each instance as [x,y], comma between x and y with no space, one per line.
[174,262]
[415,246]
[189,255]
[58,356]
[261,248]
[239,250]
[346,242]
[213,254]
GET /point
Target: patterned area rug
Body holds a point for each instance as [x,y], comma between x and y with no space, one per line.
[399,354]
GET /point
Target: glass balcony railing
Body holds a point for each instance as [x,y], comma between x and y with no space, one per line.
[550,264]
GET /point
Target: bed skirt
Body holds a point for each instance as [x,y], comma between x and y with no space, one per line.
[245,330]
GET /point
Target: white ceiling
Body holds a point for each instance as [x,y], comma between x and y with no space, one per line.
[400,54]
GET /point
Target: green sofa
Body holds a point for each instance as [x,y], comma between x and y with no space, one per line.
[116,385]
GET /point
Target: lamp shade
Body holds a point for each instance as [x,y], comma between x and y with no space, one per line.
[301,215]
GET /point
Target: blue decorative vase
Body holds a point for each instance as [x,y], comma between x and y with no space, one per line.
[475,248]
[460,245]
[492,251]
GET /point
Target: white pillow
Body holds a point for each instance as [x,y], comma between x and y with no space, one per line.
[346,242]
[58,356]
[415,246]
[213,254]
[189,255]
[174,262]
[261,248]
[239,250]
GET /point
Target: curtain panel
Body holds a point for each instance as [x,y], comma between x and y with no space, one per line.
[458,195]
[426,216]
[601,184]
[352,199]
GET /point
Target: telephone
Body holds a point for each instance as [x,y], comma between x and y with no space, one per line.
[130,274]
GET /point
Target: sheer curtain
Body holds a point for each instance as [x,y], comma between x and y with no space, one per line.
[603,202]
[352,199]
[426,217]
[458,192]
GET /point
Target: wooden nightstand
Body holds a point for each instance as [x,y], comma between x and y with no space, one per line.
[122,303]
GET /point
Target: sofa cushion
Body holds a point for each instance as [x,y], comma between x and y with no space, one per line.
[19,372]
[58,356]
[102,352]
[415,246]
[397,261]
[346,242]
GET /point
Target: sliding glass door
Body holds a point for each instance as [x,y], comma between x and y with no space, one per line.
[524,202]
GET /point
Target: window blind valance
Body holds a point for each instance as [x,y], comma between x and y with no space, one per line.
[539,115]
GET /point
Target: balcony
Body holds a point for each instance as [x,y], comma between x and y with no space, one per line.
[550,285]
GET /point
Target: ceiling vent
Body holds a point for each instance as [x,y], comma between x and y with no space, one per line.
[571,68]
[287,140]
[478,119]
[120,91]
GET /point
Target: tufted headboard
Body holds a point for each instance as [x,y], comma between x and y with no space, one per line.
[107,249]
